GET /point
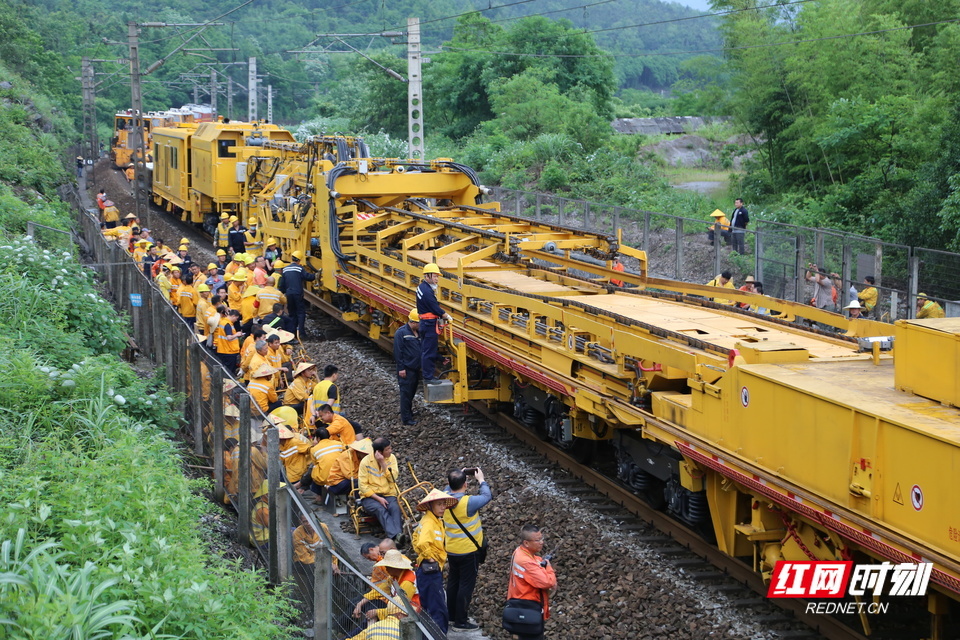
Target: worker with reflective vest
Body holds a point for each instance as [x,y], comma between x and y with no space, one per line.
[327,391]
[464,541]
[222,235]
[428,308]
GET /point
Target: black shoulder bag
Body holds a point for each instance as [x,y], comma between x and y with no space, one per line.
[522,617]
[481,549]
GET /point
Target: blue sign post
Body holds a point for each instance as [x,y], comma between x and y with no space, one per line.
[136,300]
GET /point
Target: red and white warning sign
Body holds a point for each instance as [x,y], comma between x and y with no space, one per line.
[744,397]
[916,497]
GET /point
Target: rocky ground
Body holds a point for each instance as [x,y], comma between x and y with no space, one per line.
[612,585]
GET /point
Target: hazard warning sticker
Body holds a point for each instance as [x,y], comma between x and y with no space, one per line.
[744,397]
[916,497]
[898,495]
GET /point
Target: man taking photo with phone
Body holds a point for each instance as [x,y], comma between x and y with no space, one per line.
[465,544]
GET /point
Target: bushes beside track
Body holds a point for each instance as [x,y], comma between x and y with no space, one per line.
[101,533]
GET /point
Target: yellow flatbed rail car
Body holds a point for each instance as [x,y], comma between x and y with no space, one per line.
[783,442]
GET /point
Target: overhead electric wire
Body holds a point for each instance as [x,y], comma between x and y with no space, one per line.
[697,51]
[547,13]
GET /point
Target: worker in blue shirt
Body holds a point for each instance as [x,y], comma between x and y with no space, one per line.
[430,313]
[406,353]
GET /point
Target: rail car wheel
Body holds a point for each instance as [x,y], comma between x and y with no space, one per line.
[529,417]
[645,485]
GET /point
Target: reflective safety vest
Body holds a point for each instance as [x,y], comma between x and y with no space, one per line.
[223,235]
[458,542]
[321,395]
[219,339]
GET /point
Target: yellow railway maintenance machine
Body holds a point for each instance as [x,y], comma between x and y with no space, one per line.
[200,169]
[783,443]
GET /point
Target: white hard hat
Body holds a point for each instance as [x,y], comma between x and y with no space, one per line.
[853,305]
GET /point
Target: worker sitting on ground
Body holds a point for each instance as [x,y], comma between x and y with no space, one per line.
[297,394]
[324,453]
[720,225]
[343,474]
[339,427]
[377,477]
[400,571]
[927,308]
[294,452]
[868,297]
[724,280]
[262,390]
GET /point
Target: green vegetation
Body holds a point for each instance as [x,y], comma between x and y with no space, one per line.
[99,534]
[854,132]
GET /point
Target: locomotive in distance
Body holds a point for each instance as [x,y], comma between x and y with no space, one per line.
[778,441]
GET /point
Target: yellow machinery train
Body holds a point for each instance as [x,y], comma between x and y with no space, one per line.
[125,142]
[779,441]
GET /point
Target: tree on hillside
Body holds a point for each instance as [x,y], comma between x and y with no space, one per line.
[842,103]
[482,56]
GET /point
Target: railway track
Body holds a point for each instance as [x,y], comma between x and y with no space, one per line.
[681,548]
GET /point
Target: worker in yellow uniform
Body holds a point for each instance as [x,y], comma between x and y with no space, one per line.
[927,308]
[267,296]
[252,242]
[233,266]
[399,571]
[140,250]
[187,303]
[306,541]
[344,473]
[377,477]
[204,309]
[868,297]
[720,225]
[386,629]
[221,236]
[163,281]
[238,282]
[294,453]
[260,517]
[175,284]
[226,339]
[253,353]
[299,391]
[327,391]
[111,215]
[277,357]
[247,309]
[324,453]
[429,542]
[262,390]
[725,281]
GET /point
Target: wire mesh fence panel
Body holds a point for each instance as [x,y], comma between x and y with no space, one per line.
[938,276]
[603,219]
[662,246]
[777,264]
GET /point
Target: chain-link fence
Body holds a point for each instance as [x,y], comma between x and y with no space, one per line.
[230,435]
[778,255]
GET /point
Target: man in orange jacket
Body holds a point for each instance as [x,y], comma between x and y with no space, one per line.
[532,579]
